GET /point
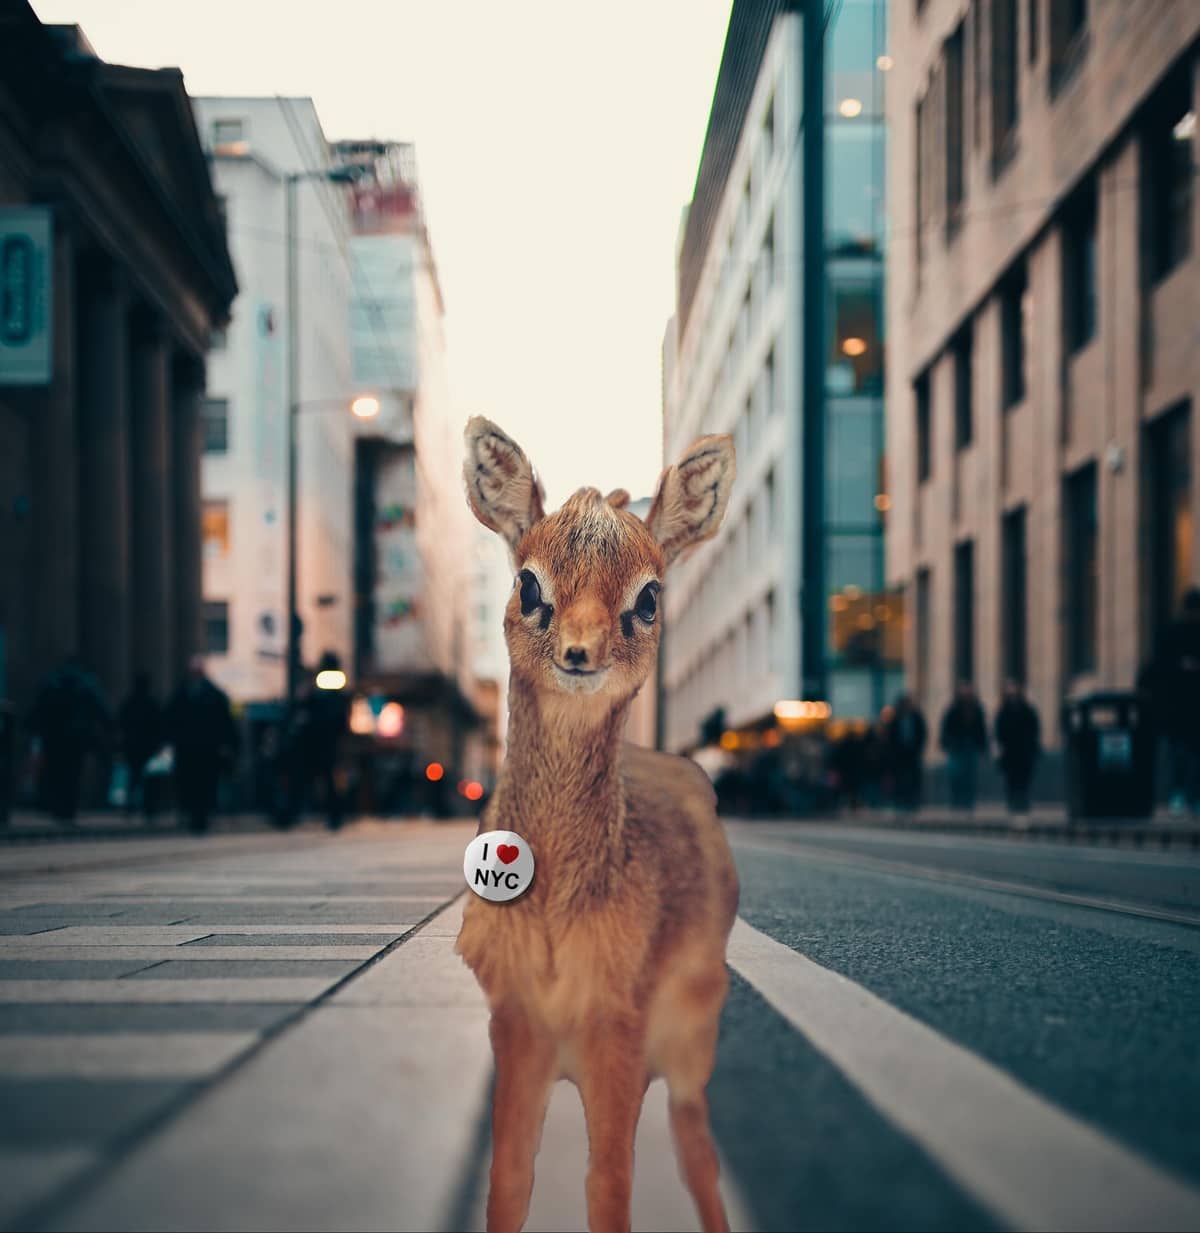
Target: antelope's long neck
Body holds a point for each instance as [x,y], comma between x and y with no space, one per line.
[561,784]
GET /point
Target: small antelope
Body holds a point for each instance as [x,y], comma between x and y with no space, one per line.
[610,970]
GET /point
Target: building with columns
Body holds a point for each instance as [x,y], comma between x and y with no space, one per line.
[1044,288]
[100,454]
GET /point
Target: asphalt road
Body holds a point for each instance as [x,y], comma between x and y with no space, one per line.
[924,1032]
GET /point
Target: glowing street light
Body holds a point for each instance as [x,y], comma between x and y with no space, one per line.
[365,407]
[331,678]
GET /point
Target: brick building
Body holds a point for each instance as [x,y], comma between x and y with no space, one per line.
[1044,374]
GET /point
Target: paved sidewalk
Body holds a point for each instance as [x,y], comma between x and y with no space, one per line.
[263,1032]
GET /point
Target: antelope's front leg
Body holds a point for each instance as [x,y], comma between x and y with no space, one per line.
[525,1062]
[612,1087]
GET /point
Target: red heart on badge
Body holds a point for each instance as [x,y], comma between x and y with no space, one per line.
[508,852]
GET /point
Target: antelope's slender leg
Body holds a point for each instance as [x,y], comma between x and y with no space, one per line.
[612,1087]
[698,1160]
[525,1072]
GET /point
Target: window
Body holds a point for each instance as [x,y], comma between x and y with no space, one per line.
[855,225]
[1034,17]
[768,379]
[771,634]
[214,414]
[921,139]
[216,627]
[768,136]
[214,523]
[1172,527]
[977,72]
[1014,311]
[1170,135]
[855,361]
[1081,572]
[768,253]
[1068,38]
[964,420]
[964,611]
[1079,268]
[852,468]
[229,136]
[924,413]
[924,621]
[1004,83]
[955,133]
[1014,614]
[772,513]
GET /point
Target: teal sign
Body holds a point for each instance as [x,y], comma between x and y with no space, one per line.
[26,289]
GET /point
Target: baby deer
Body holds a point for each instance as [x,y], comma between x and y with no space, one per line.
[610,970]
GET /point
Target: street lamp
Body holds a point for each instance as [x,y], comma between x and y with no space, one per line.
[333,175]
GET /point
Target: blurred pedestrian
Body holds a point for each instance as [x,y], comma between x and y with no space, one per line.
[70,719]
[1019,739]
[314,746]
[140,720]
[876,771]
[846,766]
[908,733]
[199,724]
[963,739]
[1176,696]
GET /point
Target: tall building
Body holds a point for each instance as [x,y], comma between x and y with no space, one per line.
[777,338]
[113,273]
[255,144]
[416,572]
[1044,289]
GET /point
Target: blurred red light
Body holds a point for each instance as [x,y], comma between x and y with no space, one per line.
[473,791]
[434,771]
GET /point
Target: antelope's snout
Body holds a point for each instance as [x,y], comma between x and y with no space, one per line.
[583,631]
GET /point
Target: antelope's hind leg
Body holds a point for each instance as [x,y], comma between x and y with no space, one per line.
[525,1071]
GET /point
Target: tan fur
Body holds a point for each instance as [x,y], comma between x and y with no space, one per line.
[610,970]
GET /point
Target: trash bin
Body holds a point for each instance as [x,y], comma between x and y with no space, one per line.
[1109,750]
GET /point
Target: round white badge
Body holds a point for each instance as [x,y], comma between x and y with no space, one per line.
[498,866]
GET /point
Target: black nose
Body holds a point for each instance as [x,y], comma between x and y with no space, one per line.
[576,655]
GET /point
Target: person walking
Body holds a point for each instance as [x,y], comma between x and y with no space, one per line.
[1019,739]
[907,735]
[314,745]
[963,739]
[140,720]
[70,718]
[1176,698]
[199,725]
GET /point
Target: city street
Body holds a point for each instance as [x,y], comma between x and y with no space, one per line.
[925,1031]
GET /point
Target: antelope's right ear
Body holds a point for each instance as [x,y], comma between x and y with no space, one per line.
[692,495]
[502,489]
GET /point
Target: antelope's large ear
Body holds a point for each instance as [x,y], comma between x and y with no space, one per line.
[692,495]
[503,491]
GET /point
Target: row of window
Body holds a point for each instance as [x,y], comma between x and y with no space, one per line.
[1166,568]
[747,652]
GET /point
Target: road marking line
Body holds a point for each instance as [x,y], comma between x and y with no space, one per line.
[1030,1163]
[973,881]
[123,1055]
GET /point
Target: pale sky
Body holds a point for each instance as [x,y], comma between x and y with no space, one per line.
[557,143]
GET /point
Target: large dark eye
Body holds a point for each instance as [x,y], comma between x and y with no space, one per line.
[647,603]
[531,593]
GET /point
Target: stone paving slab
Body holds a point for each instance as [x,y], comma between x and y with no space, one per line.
[74,1017]
[202,954]
[68,969]
[271,989]
[123,1055]
[27,1175]
[226,941]
[79,1112]
[331,970]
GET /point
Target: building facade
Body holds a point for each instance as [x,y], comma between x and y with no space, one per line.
[129,275]
[1044,289]
[417,580]
[255,144]
[778,339]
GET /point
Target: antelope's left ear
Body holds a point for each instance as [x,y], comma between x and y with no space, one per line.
[692,495]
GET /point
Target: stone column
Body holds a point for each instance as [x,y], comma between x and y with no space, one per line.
[186,444]
[153,513]
[105,598]
[55,480]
